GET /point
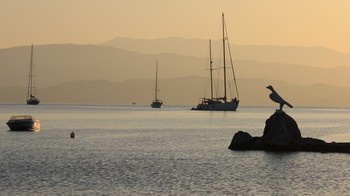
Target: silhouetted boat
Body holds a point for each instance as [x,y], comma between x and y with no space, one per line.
[31,99]
[220,103]
[23,123]
[156,102]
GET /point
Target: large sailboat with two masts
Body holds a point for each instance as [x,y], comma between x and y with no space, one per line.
[156,102]
[31,99]
[221,103]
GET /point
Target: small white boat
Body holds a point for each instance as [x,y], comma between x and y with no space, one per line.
[23,123]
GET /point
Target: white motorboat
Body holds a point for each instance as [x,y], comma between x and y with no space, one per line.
[23,123]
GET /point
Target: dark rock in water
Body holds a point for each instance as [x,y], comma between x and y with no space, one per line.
[241,140]
[281,130]
[281,133]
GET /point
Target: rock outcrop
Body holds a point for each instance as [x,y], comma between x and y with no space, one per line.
[281,130]
[281,133]
[241,140]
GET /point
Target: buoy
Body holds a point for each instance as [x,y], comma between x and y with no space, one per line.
[72,135]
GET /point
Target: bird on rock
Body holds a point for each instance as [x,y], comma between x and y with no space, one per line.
[274,96]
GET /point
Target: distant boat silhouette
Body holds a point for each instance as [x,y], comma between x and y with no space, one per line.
[220,103]
[31,99]
[156,102]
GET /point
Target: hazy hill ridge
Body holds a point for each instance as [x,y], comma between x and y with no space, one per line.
[59,63]
[125,74]
[312,56]
[178,91]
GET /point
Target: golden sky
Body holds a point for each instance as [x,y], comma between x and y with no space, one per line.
[254,22]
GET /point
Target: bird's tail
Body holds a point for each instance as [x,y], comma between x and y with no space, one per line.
[288,104]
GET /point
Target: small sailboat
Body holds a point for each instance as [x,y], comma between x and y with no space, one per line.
[156,102]
[220,103]
[31,99]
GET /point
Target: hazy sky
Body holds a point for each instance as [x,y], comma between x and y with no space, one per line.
[274,22]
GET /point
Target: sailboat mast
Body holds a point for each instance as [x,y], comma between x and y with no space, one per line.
[211,71]
[224,56]
[30,82]
[156,88]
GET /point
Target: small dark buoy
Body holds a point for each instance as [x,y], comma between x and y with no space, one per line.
[72,135]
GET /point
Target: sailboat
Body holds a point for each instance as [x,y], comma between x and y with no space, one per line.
[156,102]
[31,99]
[220,103]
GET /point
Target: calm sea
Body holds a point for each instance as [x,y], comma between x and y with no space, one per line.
[136,150]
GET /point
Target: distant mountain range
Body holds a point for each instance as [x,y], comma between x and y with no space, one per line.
[55,64]
[122,71]
[179,91]
[311,56]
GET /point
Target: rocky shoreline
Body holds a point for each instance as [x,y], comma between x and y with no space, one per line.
[282,133]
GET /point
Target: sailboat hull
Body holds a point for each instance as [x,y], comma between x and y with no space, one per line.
[217,106]
[157,104]
[33,101]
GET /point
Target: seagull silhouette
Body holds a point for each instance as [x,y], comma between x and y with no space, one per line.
[274,96]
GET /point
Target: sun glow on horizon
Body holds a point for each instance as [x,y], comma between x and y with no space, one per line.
[270,22]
